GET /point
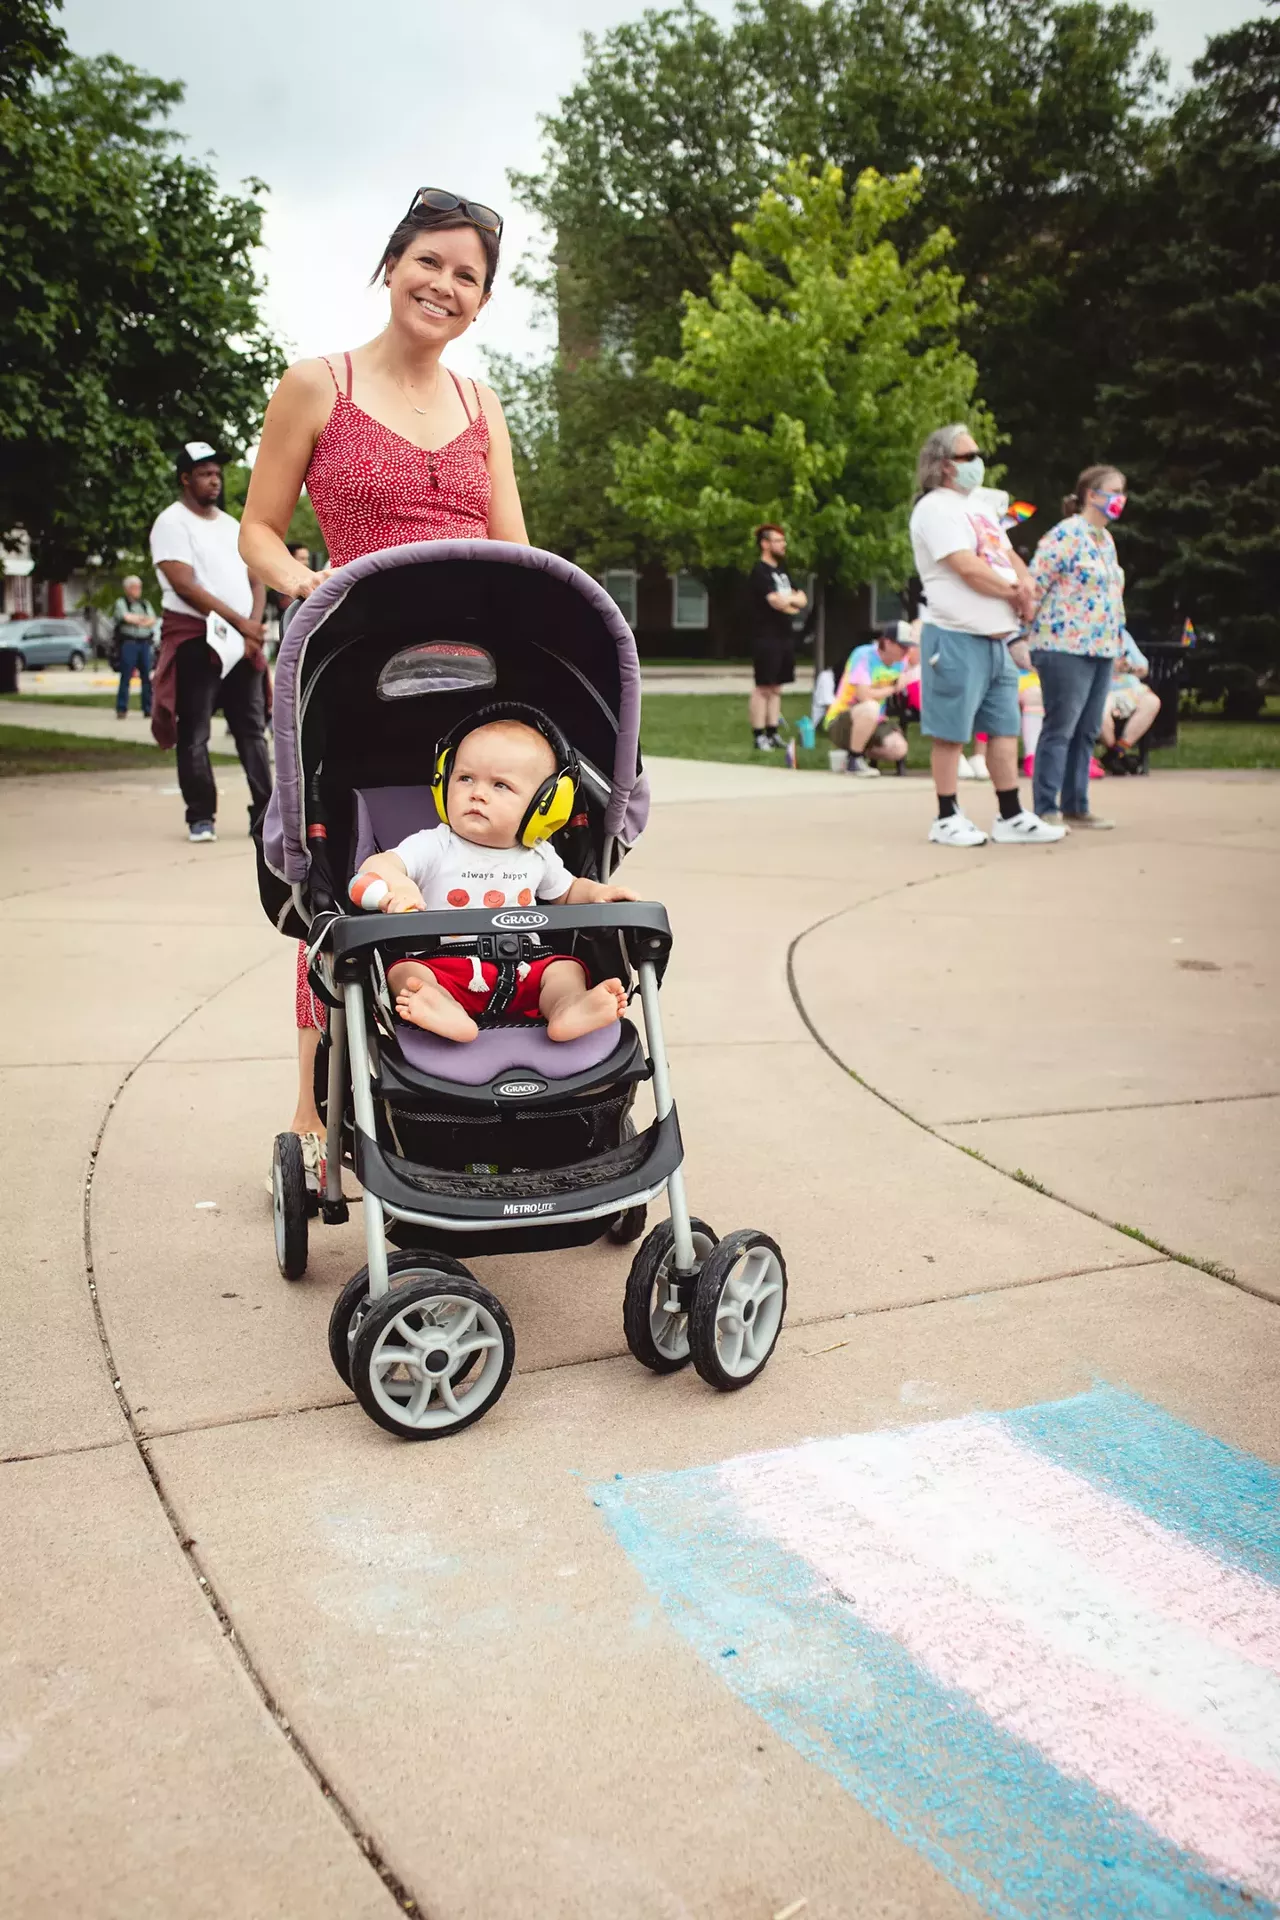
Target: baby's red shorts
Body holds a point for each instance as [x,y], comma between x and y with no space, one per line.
[456,973]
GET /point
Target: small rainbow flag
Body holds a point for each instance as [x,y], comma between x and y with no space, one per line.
[1016,512]
[1188,634]
[791,751]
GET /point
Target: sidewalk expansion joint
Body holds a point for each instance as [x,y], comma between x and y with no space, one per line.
[62,1453]
[622,1355]
[186,1546]
[1214,1268]
[1116,1106]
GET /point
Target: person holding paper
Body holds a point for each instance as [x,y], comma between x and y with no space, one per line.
[211,636]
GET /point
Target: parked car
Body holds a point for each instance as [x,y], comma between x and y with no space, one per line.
[47,643]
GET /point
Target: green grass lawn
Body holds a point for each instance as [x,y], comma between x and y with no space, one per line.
[27,750]
[713,726]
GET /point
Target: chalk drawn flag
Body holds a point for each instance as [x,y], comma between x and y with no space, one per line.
[1042,1646]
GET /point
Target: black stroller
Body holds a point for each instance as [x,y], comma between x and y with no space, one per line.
[512,1141]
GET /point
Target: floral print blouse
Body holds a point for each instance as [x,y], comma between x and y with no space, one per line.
[1081,584]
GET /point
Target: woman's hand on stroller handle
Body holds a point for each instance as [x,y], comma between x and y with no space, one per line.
[592,893]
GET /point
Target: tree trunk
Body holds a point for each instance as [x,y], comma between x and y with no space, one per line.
[819,626]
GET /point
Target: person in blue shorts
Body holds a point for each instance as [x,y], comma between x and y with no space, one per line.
[979,598]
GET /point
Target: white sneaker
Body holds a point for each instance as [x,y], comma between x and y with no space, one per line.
[200,832]
[957,831]
[861,767]
[1026,826]
[963,770]
[978,766]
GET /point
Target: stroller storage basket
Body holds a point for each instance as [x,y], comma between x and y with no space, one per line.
[516,1140]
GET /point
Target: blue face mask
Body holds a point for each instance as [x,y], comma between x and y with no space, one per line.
[969,472]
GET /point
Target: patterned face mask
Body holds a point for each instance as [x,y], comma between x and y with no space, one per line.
[1112,504]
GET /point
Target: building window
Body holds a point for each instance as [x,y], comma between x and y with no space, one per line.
[620,585]
[689,606]
[886,604]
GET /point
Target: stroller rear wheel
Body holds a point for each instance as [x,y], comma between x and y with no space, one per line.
[289,1205]
[657,1333]
[738,1307]
[353,1303]
[413,1344]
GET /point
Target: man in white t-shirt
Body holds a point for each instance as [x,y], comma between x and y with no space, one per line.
[979,597]
[193,546]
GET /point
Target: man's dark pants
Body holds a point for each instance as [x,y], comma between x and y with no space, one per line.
[242,696]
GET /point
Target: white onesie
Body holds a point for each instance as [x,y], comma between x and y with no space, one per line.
[452,872]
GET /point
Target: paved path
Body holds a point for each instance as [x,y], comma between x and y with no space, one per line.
[262,1659]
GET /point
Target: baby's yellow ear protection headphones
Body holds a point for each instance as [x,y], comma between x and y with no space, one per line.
[552,805]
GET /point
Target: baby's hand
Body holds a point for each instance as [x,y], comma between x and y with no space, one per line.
[615,893]
[404,897]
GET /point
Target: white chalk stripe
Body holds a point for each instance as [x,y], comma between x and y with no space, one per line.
[1233,1607]
[934,1510]
[1088,1721]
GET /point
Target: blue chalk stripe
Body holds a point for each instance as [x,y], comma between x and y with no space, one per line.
[1223,1500]
[986,1809]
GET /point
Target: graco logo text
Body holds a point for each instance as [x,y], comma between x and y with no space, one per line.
[519,919]
[521,1089]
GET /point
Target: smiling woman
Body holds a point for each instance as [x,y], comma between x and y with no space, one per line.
[392,447]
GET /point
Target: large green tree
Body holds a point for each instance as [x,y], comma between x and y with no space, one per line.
[1032,126]
[129,316]
[816,365]
[1194,417]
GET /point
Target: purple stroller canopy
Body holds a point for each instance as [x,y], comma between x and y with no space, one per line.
[507,592]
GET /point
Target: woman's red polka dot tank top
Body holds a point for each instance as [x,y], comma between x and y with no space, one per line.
[371,488]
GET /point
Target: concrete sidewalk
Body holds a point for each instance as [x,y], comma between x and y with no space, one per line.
[264,1659]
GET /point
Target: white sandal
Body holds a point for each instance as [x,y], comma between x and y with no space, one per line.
[313,1164]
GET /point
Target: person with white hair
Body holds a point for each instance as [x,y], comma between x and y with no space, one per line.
[132,632]
[978,598]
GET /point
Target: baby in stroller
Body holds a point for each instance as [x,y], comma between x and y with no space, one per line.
[501,786]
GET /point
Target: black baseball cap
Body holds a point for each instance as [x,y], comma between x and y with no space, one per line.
[195,452]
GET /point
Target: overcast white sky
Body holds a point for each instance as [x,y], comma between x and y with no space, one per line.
[344,107]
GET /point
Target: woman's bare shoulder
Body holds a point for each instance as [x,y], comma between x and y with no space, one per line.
[488,400]
[310,379]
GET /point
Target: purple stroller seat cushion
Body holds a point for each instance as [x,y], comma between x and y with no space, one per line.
[473,1063]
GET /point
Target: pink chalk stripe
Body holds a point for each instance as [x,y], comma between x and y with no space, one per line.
[1089,1724]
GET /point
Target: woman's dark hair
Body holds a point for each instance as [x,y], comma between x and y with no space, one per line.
[1090,481]
[431,220]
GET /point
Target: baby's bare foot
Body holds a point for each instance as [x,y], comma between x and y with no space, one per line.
[426,1004]
[601,1006]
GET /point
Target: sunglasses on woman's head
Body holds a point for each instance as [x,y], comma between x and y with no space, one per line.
[438,201]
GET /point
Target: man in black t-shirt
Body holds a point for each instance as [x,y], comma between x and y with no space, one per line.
[774,606]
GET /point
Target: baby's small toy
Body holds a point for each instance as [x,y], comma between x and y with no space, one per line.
[369,891]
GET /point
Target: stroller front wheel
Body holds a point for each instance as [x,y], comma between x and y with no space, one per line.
[353,1303]
[658,1333]
[289,1205]
[411,1351]
[738,1307]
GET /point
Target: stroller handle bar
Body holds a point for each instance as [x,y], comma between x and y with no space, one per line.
[643,925]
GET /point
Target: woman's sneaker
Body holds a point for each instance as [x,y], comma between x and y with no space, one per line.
[862,767]
[1028,827]
[200,831]
[957,831]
